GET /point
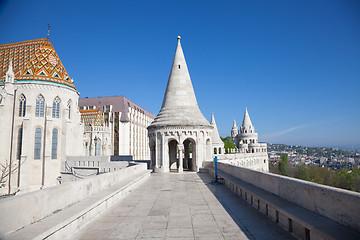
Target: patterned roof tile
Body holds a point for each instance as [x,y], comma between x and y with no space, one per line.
[32,57]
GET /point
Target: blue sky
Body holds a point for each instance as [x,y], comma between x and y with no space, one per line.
[294,64]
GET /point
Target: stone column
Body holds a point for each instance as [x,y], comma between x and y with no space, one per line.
[180,148]
[156,151]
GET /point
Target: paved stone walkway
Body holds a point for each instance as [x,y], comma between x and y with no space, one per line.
[181,206]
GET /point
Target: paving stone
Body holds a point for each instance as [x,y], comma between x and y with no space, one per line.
[182,207]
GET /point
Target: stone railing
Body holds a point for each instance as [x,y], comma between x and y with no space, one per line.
[15,212]
[341,206]
[256,161]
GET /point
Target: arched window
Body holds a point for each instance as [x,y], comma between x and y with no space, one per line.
[54,144]
[19,143]
[97,146]
[56,108]
[69,108]
[39,112]
[22,107]
[37,147]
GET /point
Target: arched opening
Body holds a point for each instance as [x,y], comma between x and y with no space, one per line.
[173,153]
[208,150]
[215,150]
[189,162]
[219,150]
[152,153]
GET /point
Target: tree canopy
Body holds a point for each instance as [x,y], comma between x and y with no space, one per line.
[228,143]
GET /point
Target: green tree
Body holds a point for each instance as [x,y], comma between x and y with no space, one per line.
[284,165]
[343,179]
[302,172]
[228,143]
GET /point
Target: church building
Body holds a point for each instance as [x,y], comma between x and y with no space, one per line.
[39,115]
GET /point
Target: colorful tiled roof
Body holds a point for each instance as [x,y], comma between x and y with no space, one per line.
[34,60]
[92,117]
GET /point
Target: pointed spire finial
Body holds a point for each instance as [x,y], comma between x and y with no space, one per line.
[48,33]
[246,120]
[10,76]
[212,118]
[10,65]
[234,124]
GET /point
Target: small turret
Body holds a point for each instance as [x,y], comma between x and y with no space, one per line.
[247,126]
[10,76]
[234,130]
[216,140]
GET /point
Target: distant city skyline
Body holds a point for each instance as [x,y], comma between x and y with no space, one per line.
[294,65]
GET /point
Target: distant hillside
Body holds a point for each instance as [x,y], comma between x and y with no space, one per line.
[320,151]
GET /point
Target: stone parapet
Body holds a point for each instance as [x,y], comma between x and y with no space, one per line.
[22,210]
[336,204]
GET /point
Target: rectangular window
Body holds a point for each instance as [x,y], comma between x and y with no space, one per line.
[54,144]
[116,134]
[41,109]
[19,145]
[37,113]
[37,147]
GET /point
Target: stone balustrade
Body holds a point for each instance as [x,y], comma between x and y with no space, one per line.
[339,205]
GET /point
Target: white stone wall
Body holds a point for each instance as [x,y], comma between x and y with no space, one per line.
[317,198]
[200,138]
[35,173]
[255,161]
[138,134]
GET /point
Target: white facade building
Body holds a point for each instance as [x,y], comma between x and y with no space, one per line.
[39,116]
[127,122]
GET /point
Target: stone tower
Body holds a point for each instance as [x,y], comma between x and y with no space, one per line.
[247,139]
[216,140]
[180,136]
[234,133]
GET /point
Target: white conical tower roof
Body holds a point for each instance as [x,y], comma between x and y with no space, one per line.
[234,124]
[246,121]
[215,133]
[179,106]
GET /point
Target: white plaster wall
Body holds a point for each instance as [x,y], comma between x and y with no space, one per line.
[6,109]
[124,140]
[69,134]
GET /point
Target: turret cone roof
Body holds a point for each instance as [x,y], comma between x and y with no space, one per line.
[246,121]
[179,106]
[215,133]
